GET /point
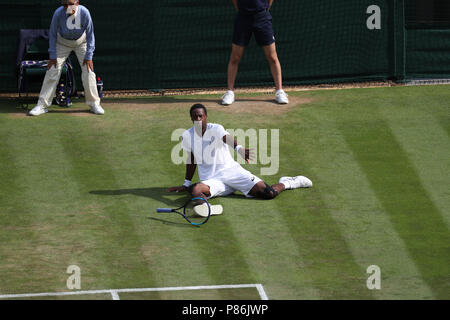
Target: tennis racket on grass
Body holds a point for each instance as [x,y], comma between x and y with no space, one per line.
[196,211]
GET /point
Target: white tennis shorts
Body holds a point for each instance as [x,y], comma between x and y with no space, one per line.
[231,180]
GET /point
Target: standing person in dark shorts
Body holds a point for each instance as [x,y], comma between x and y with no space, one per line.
[253,18]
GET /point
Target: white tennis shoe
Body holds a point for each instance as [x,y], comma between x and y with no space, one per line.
[38,110]
[228,98]
[281,97]
[97,110]
[296,182]
[202,209]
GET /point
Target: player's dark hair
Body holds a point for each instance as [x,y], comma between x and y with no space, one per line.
[198,106]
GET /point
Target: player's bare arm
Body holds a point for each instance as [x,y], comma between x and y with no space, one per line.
[190,171]
[197,190]
[247,154]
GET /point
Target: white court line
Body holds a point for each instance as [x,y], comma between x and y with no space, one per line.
[115,292]
[262,292]
[115,295]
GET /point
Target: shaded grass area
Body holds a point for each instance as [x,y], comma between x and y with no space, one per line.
[83,189]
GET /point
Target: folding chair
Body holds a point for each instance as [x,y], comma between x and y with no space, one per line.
[31,66]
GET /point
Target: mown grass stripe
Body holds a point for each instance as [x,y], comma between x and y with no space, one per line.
[262,234]
[442,116]
[308,217]
[432,100]
[428,148]
[326,257]
[215,244]
[399,189]
[33,254]
[117,245]
[361,218]
[9,181]
[15,218]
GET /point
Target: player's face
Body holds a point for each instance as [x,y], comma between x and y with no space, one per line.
[199,115]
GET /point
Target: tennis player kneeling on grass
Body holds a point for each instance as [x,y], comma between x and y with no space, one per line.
[219,173]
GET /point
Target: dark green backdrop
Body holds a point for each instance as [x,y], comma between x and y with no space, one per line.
[186,43]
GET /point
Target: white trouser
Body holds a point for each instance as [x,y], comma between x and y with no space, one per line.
[63,49]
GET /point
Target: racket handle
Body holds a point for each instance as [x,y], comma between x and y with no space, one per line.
[164,210]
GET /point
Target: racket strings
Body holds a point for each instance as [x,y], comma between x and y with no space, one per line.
[197,211]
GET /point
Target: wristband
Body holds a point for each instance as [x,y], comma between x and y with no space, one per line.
[237,148]
[187,183]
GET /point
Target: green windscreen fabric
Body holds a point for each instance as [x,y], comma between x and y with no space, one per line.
[428,12]
[164,44]
[428,39]
[428,53]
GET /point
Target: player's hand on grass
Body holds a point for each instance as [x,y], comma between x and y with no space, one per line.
[177,189]
[51,62]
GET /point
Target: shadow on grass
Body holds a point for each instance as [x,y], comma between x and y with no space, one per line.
[168,99]
[158,194]
[68,110]
[170,199]
[14,106]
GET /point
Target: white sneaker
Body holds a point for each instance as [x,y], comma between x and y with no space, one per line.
[202,210]
[38,110]
[296,182]
[228,98]
[97,110]
[281,97]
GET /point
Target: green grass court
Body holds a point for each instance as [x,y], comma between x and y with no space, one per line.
[79,189]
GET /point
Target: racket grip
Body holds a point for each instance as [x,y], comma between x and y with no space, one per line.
[164,210]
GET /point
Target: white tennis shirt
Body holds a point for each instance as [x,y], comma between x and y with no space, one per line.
[210,152]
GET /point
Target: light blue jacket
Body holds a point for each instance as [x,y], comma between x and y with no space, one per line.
[71,28]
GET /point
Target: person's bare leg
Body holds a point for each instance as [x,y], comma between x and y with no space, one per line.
[263,191]
[200,190]
[279,187]
[275,66]
[236,54]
